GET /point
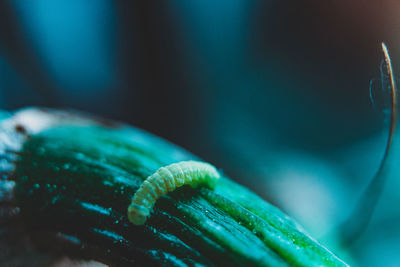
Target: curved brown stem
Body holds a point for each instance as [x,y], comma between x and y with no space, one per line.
[358,221]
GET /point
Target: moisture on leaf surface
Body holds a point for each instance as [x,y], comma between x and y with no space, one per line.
[76,180]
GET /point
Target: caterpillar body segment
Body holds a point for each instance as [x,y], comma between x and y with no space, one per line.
[167,179]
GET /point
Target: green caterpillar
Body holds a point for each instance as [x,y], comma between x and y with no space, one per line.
[167,179]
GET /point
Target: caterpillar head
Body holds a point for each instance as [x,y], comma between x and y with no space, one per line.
[137,214]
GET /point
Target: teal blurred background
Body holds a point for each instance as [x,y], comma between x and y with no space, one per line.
[276,93]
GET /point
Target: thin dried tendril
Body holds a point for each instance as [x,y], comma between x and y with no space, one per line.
[357,222]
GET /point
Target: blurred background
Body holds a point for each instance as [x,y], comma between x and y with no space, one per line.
[276,93]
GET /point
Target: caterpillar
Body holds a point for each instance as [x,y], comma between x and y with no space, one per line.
[167,179]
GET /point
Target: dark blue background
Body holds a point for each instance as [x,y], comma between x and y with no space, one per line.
[274,92]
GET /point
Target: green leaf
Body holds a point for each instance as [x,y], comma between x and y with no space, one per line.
[77,181]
